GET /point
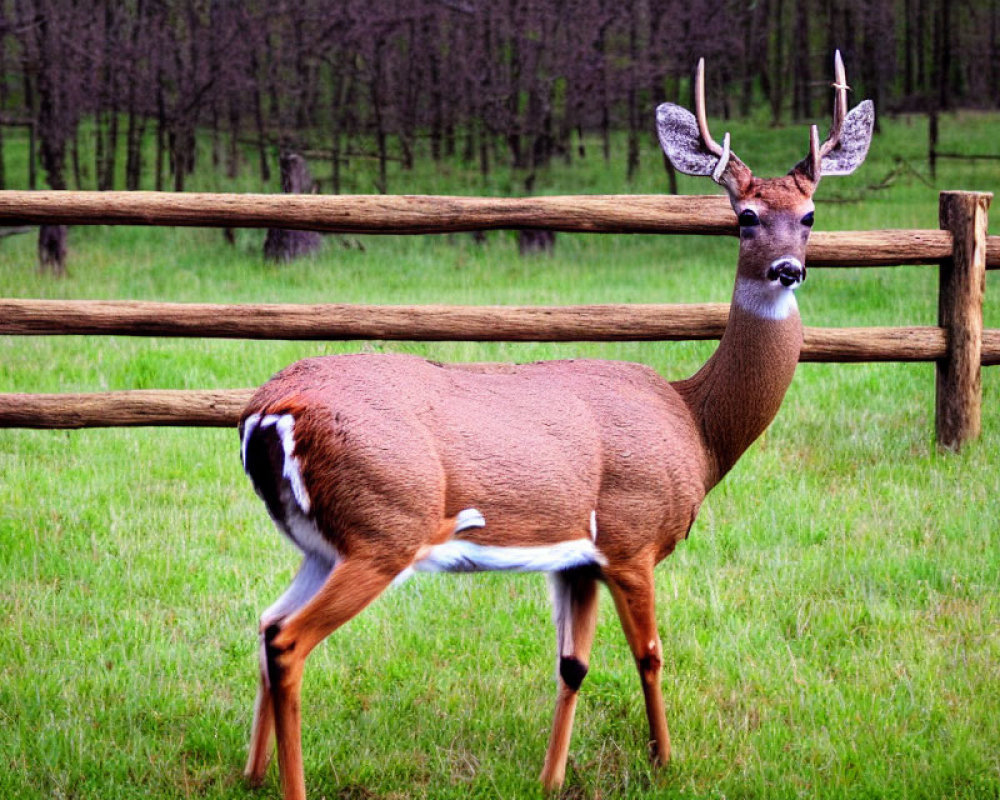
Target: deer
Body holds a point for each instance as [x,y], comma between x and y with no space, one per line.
[378,466]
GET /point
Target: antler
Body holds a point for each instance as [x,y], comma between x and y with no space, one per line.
[722,151]
[699,110]
[817,151]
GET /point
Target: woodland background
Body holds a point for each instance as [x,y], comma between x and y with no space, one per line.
[513,82]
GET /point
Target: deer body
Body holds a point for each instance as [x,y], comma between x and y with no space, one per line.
[377,466]
[590,435]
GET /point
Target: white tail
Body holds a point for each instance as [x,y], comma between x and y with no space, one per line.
[377,466]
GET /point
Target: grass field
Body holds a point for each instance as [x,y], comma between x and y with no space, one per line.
[831,627]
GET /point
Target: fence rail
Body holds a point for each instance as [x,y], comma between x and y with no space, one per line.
[961,249]
[416,214]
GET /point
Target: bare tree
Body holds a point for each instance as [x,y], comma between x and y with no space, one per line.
[283,245]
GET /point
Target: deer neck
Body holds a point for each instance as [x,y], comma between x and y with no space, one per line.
[737,393]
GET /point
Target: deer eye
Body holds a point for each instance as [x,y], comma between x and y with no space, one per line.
[808,220]
[748,218]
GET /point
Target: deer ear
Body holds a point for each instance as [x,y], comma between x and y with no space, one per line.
[680,139]
[855,137]
[677,130]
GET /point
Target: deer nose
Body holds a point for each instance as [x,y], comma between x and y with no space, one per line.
[788,270]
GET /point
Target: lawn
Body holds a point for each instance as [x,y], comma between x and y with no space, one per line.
[831,628]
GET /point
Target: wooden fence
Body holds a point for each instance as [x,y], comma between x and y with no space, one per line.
[961,249]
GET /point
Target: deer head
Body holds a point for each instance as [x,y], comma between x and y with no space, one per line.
[774,214]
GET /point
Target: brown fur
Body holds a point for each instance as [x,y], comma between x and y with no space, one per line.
[392,445]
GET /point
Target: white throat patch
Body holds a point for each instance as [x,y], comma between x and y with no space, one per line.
[767,300]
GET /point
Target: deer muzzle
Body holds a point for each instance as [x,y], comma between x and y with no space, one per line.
[789,270]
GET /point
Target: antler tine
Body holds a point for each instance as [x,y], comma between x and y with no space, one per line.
[815,154]
[839,104]
[699,110]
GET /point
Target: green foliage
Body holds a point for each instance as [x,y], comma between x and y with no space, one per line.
[830,627]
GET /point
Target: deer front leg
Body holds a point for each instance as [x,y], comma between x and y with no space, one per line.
[351,586]
[574,600]
[634,598]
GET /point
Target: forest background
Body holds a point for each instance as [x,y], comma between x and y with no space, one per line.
[516,82]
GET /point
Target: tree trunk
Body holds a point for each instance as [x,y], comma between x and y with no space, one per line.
[110,151]
[803,73]
[908,47]
[942,54]
[282,245]
[233,153]
[52,249]
[777,65]
[258,115]
[530,241]
[3,104]
[632,167]
[133,148]
[161,129]
[53,129]
[136,124]
[29,103]
[994,51]
[74,155]
[605,100]
[921,44]
[338,95]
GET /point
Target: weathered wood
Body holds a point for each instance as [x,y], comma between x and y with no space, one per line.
[960,314]
[395,214]
[338,322]
[856,345]
[991,348]
[413,214]
[885,248]
[993,252]
[221,408]
[443,323]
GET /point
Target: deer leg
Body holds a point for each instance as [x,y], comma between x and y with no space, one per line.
[351,586]
[260,734]
[634,598]
[574,600]
[311,576]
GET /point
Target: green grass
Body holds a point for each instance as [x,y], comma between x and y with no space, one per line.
[831,626]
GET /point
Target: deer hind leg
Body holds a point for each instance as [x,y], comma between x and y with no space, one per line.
[574,600]
[634,598]
[351,586]
[311,576]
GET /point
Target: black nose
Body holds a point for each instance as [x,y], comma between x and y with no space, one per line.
[787,270]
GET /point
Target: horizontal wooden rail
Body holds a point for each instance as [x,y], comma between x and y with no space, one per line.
[593,323]
[137,407]
[338,322]
[221,408]
[412,214]
[394,214]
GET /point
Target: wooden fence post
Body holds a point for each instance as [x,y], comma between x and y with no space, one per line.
[960,313]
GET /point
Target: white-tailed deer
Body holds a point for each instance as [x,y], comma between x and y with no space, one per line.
[377,466]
